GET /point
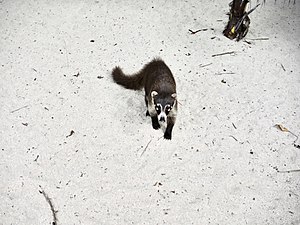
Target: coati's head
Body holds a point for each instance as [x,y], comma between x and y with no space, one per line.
[164,104]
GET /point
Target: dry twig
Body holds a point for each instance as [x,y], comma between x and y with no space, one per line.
[224,53]
[288,171]
[233,137]
[146,148]
[51,206]
[284,129]
[19,109]
[195,32]
[259,39]
[205,65]
[224,73]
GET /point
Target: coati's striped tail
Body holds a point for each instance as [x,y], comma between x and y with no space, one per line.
[134,82]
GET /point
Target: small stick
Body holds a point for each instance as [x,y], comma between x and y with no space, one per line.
[248,42]
[19,109]
[146,147]
[288,171]
[51,206]
[195,32]
[71,133]
[294,135]
[36,158]
[259,39]
[224,73]
[234,126]
[233,137]
[282,128]
[205,65]
[67,58]
[179,102]
[282,67]
[224,53]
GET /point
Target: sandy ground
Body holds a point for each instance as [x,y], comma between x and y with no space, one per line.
[69,132]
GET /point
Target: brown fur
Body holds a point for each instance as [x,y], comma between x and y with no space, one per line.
[154,75]
[160,88]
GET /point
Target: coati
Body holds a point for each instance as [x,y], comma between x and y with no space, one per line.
[160,92]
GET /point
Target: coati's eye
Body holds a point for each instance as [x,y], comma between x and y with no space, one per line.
[158,108]
[168,108]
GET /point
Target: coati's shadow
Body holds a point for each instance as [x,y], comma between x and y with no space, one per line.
[136,108]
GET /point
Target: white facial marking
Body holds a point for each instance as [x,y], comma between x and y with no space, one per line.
[162,118]
[158,107]
[168,108]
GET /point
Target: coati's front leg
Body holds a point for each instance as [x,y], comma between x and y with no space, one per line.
[146,101]
[155,123]
[154,120]
[152,113]
[170,125]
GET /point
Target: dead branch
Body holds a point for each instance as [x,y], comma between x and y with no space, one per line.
[259,39]
[146,147]
[224,53]
[233,137]
[224,73]
[282,67]
[195,32]
[51,206]
[288,171]
[205,65]
[234,126]
[19,109]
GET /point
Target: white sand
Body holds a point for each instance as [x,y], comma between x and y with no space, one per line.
[221,165]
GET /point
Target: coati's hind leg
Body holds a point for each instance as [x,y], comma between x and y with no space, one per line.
[155,123]
[170,125]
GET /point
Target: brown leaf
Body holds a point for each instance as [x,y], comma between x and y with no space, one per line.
[282,128]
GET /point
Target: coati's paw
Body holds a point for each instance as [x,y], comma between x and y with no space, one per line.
[155,126]
[147,113]
[155,123]
[167,136]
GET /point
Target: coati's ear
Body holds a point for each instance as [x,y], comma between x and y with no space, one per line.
[174,95]
[153,94]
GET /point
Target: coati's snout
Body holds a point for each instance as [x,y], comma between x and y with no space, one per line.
[162,119]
